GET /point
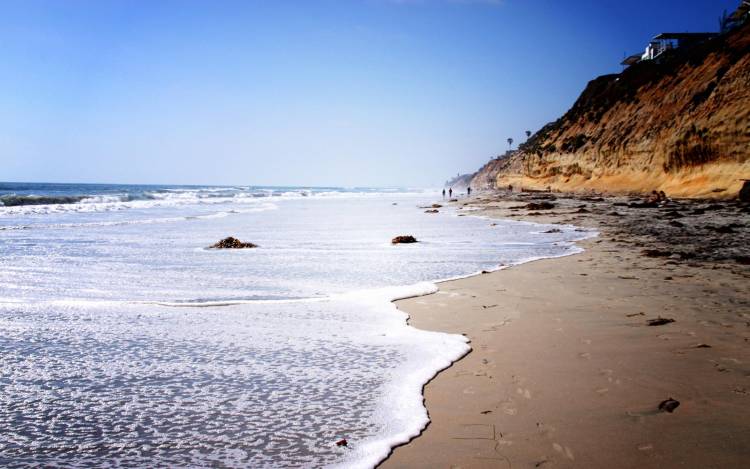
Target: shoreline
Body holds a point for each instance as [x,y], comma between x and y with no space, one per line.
[437,284]
[571,375]
[401,293]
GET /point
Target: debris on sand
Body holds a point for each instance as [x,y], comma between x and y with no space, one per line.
[343,442]
[540,206]
[652,201]
[656,253]
[669,405]
[744,194]
[660,321]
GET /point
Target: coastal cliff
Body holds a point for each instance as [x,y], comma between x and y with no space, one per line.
[460,182]
[681,126]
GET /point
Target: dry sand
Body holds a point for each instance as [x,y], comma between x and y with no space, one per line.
[565,371]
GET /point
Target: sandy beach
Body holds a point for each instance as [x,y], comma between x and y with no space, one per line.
[565,369]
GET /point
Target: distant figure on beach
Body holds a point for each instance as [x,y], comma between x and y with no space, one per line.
[468,190]
[450,192]
[443,192]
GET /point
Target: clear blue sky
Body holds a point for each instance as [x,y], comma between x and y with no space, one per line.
[339,92]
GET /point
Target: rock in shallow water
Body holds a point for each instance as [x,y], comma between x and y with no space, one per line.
[232,243]
[406,239]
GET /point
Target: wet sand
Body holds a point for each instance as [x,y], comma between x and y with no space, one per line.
[565,370]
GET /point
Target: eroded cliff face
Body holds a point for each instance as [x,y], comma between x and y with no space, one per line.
[681,126]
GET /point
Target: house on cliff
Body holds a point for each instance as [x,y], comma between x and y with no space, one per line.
[739,17]
[665,42]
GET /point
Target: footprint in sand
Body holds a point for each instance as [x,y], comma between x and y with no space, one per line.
[640,416]
[585,355]
[719,367]
[645,447]
[608,373]
[496,327]
[563,450]
[508,408]
[731,360]
[524,392]
[544,429]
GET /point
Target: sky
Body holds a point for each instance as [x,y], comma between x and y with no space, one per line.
[312,93]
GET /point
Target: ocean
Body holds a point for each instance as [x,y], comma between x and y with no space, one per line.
[126,342]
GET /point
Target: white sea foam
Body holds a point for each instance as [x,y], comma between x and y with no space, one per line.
[130,344]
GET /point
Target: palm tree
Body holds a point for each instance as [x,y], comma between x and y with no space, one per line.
[528,134]
[510,143]
[724,21]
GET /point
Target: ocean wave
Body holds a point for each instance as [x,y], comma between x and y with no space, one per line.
[13,200]
[40,204]
[26,200]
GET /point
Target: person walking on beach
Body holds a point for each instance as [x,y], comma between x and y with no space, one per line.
[468,190]
[443,192]
[450,192]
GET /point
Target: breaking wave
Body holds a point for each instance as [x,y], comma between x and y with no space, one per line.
[82,198]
